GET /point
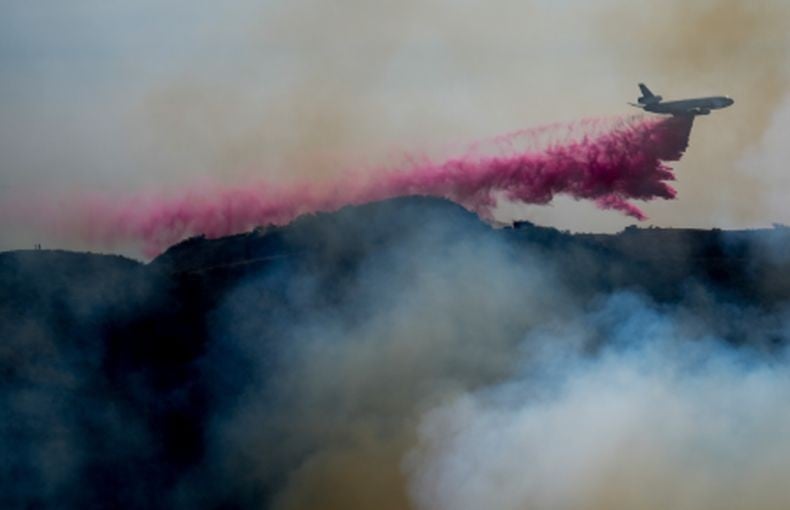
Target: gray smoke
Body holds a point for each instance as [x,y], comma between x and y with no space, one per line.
[663,416]
[458,372]
[431,317]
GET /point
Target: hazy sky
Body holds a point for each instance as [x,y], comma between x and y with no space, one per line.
[100,95]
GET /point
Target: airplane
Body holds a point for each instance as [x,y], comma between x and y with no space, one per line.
[697,106]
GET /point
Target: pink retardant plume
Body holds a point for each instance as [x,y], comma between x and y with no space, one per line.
[607,161]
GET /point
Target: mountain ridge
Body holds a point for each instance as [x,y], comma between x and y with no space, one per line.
[109,345]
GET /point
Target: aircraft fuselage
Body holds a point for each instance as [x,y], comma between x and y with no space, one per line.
[696,106]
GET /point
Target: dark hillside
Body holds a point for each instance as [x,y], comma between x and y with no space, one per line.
[119,370]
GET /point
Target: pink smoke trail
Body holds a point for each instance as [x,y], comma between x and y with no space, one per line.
[610,163]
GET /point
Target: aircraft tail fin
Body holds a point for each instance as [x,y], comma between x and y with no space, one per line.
[647,96]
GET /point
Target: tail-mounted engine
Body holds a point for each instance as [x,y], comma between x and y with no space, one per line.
[649,99]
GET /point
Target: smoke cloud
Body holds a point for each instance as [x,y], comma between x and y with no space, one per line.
[766,161]
[658,418]
[608,161]
[438,312]
[127,98]
[464,374]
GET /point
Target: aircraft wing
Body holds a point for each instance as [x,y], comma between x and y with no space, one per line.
[698,111]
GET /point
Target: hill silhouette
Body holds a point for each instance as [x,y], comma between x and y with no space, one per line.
[115,373]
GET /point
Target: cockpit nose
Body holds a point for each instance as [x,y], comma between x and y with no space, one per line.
[728,101]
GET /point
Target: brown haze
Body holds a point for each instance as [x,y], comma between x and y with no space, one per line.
[304,90]
[325,87]
[355,84]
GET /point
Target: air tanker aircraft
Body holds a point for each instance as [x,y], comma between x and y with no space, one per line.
[697,106]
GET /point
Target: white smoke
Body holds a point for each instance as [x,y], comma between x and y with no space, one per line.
[656,420]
